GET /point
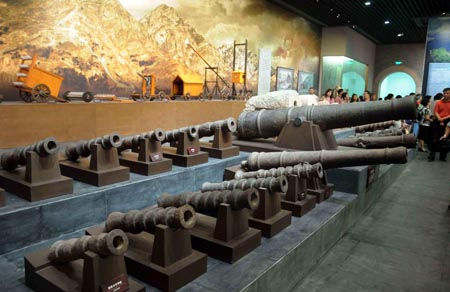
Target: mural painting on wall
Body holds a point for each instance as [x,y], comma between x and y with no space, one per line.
[437,59]
[100,45]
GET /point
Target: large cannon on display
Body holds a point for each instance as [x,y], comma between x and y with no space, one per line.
[310,127]
[33,173]
[224,233]
[149,158]
[328,159]
[95,161]
[160,250]
[88,263]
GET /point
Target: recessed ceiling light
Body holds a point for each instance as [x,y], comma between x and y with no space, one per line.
[348,21]
[353,26]
[443,13]
[400,34]
[367,3]
[338,15]
[387,22]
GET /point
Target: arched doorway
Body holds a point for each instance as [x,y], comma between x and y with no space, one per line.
[397,83]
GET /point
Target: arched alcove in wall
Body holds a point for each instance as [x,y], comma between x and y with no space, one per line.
[397,83]
[398,69]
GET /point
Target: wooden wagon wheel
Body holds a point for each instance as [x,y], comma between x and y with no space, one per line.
[40,93]
[26,96]
[161,95]
[87,96]
[187,96]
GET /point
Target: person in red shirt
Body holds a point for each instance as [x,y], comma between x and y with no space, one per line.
[442,117]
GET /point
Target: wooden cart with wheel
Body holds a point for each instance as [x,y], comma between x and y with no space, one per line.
[36,84]
[147,89]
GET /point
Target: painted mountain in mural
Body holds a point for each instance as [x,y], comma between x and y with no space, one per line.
[98,46]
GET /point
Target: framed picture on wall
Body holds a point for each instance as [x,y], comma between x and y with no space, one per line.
[285,79]
[305,81]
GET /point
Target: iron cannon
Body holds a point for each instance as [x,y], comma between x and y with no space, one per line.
[11,160]
[269,123]
[328,158]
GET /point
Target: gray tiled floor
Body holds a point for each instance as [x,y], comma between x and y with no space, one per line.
[401,244]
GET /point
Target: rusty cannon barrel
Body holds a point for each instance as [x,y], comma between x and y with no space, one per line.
[408,141]
[380,133]
[268,123]
[302,170]
[273,184]
[374,126]
[207,129]
[83,148]
[172,135]
[114,242]
[11,160]
[133,141]
[208,202]
[328,158]
[136,221]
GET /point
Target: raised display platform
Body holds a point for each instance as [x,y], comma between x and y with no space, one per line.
[275,265]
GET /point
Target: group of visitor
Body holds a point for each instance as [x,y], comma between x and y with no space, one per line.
[432,126]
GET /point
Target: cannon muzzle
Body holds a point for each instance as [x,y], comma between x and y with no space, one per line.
[136,221]
[273,184]
[11,160]
[134,141]
[83,148]
[268,123]
[114,242]
[207,129]
[172,136]
[328,158]
[208,202]
[302,170]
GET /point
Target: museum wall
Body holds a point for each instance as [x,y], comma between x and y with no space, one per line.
[344,41]
[412,58]
[100,45]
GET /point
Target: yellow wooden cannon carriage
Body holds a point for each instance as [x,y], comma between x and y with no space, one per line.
[36,84]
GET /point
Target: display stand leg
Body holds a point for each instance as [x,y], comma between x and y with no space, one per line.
[148,160]
[296,199]
[222,146]
[268,216]
[39,179]
[101,169]
[227,238]
[187,152]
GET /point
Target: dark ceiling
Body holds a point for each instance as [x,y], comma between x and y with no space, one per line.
[409,17]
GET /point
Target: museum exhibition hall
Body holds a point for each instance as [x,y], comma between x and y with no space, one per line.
[243,145]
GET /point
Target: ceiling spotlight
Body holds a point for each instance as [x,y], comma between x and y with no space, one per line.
[387,22]
[353,26]
[400,34]
[331,9]
[348,21]
[338,15]
[367,3]
[443,13]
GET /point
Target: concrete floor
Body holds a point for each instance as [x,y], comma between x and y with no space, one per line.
[402,243]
